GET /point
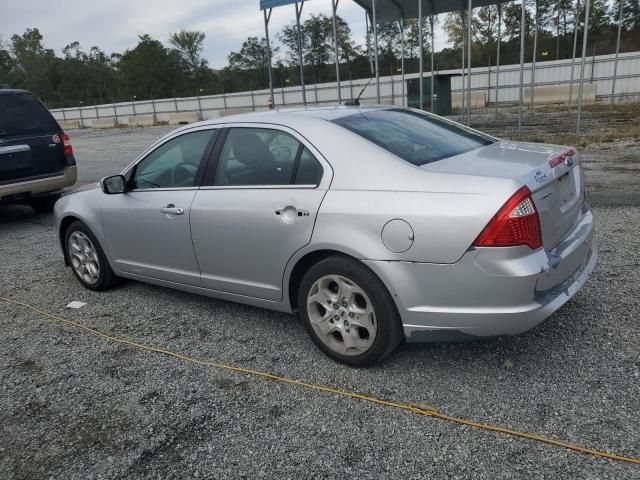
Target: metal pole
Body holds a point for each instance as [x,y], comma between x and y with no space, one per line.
[199,104]
[266,33]
[64,115]
[253,102]
[334,4]
[498,54]
[469,38]
[522,30]
[401,23]
[153,106]
[80,111]
[95,106]
[615,63]
[366,23]
[393,93]
[421,53]
[432,63]
[175,101]
[464,42]
[573,58]
[584,52]
[298,14]
[535,48]
[374,21]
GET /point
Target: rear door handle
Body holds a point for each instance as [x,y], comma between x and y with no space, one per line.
[171,209]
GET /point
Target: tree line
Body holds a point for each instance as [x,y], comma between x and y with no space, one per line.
[176,68]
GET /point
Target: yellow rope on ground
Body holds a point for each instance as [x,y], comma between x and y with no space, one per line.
[429,412]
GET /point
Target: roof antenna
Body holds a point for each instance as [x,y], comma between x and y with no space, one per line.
[356,102]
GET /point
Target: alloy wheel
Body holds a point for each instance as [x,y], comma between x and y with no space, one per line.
[342,315]
[84,257]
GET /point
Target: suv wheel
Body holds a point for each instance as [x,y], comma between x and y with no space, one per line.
[87,259]
[348,312]
[44,204]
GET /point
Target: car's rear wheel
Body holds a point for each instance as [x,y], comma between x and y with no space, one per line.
[87,259]
[348,312]
[44,204]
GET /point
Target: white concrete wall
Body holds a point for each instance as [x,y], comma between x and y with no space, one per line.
[598,72]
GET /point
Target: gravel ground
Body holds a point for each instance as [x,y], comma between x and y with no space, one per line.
[75,406]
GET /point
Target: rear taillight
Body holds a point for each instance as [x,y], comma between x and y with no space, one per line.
[66,142]
[516,223]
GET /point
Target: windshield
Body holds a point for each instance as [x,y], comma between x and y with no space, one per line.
[413,136]
[22,114]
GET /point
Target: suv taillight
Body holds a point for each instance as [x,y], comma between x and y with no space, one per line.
[66,143]
[516,223]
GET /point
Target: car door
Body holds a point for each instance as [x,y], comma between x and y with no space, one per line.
[147,227]
[256,208]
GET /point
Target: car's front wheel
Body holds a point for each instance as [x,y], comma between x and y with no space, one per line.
[348,312]
[87,259]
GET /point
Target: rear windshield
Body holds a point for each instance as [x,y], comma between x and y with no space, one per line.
[22,114]
[412,136]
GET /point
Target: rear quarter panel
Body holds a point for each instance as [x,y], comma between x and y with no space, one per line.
[371,186]
[444,224]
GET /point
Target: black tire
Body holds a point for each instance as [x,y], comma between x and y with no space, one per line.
[44,204]
[106,278]
[389,326]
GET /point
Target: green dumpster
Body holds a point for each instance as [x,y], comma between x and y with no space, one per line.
[441,94]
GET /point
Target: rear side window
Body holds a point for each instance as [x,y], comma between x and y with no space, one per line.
[22,114]
[264,156]
[412,136]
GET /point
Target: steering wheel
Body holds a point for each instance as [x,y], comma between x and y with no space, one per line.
[183,174]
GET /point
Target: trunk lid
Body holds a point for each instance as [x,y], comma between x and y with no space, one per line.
[553,174]
[30,139]
[33,156]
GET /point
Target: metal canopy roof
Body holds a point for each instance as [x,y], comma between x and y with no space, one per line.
[391,10]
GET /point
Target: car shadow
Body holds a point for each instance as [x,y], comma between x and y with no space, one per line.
[15,214]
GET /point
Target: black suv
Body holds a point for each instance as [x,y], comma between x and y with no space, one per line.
[36,157]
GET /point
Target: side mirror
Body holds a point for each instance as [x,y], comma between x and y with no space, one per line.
[113,185]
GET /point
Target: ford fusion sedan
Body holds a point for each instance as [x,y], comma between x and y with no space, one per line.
[373,224]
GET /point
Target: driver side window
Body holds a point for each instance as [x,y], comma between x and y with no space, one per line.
[173,164]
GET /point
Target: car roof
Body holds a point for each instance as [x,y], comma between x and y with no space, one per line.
[292,116]
[333,112]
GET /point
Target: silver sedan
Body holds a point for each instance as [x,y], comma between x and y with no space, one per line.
[373,224]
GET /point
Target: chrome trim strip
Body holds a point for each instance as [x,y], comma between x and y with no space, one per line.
[260,187]
[168,189]
[14,149]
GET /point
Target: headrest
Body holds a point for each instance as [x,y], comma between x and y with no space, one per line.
[251,151]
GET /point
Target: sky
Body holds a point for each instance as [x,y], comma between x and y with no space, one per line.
[114,25]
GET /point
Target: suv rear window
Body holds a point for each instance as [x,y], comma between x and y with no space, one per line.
[23,114]
[415,137]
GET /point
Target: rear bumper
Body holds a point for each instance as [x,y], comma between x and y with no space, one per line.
[41,186]
[490,291]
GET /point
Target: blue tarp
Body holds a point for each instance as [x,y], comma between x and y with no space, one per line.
[266,4]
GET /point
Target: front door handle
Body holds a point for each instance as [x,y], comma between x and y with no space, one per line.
[171,209]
